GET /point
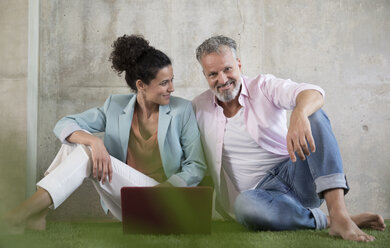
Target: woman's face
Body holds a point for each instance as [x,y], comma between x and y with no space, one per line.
[160,88]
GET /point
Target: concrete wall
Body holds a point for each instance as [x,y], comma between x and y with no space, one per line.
[340,45]
[13,78]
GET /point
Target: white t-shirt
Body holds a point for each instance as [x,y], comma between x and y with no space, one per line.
[245,162]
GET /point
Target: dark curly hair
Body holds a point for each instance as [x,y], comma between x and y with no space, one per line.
[134,56]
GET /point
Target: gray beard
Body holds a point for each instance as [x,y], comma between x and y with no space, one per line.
[228,96]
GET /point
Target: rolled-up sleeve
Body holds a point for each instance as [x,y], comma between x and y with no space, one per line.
[92,120]
[283,92]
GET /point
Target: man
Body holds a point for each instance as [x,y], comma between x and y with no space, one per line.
[258,178]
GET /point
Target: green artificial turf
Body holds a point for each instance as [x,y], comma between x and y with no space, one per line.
[224,234]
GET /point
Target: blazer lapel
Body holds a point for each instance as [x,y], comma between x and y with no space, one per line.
[125,124]
[164,119]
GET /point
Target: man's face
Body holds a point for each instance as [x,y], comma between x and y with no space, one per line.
[223,73]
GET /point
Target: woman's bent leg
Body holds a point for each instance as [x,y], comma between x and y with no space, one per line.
[67,172]
[123,175]
[38,221]
[73,164]
[20,217]
[68,175]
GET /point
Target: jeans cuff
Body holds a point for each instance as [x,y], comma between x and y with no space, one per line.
[320,218]
[331,181]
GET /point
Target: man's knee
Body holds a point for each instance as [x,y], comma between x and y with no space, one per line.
[320,126]
[252,210]
[241,207]
[318,117]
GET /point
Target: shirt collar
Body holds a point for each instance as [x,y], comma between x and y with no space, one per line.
[214,99]
[244,89]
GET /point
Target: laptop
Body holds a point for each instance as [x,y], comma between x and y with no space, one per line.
[166,210]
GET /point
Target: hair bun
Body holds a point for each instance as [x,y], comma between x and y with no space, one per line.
[126,50]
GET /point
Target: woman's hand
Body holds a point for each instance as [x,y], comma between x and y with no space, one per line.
[100,157]
[101,161]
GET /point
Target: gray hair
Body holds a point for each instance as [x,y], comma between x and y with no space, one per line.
[213,44]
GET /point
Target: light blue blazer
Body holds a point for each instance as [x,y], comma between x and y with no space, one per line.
[178,134]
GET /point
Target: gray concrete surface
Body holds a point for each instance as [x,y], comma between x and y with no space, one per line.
[13,76]
[342,46]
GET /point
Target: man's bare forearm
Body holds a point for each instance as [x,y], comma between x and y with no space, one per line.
[308,102]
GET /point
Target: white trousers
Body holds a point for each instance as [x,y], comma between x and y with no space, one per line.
[73,164]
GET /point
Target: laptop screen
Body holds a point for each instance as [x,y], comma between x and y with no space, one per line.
[166,210]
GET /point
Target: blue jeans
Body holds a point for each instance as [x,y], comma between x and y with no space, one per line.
[288,197]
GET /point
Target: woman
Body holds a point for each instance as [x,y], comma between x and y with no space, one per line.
[152,137]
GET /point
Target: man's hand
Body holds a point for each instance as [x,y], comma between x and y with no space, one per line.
[101,161]
[299,135]
[299,132]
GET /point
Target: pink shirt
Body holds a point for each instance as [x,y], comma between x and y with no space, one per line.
[265,100]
